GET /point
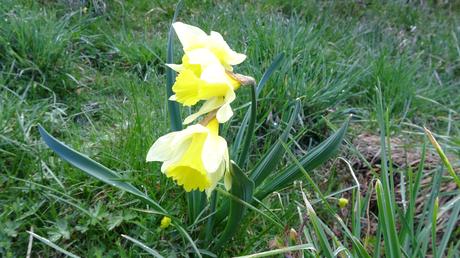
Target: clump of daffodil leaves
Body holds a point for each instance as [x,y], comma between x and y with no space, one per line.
[197,157]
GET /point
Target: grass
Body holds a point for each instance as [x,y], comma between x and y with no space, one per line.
[93,74]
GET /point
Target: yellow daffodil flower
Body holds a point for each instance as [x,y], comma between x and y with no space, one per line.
[213,85]
[203,74]
[196,157]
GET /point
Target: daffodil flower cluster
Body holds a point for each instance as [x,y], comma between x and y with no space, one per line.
[197,157]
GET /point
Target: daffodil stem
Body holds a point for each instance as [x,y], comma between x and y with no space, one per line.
[208,118]
[211,219]
[242,158]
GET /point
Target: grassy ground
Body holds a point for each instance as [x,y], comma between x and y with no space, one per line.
[93,74]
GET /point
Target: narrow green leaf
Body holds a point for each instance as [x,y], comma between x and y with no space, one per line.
[211,218]
[276,221]
[94,169]
[243,156]
[173,107]
[424,226]
[189,239]
[313,159]
[434,221]
[385,189]
[451,223]
[325,247]
[414,186]
[273,66]
[271,253]
[242,187]
[386,219]
[53,245]
[241,132]
[357,245]
[149,250]
[239,136]
[270,160]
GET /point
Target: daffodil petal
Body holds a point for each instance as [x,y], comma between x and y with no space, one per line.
[225,112]
[162,149]
[223,50]
[214,179]
[228,180]
[213,152]
[207,107]
[203,57]
[189,36]
[176,67]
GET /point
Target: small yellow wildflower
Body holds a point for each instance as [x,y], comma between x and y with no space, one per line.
[165,222]
[343,202]
[196,157]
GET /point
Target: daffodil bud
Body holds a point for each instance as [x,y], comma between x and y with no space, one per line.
[343,202]
[165,222]
[293,235]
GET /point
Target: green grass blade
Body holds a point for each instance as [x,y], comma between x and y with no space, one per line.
[239,136]
[271,253]
[386,218]
[242,187]
[434,221]
[275,221]
[357,245]
[451,223]
[188,238]
[273,66]
[149,250]
[271,159]
[94,169]
[243,156]
[313,159]
[53,245]
[241,132]
[173,107]
[414,187]
[211,218]
[325,248]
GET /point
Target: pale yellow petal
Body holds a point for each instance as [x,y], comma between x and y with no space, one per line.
[213,152]
[176,67]
[214,178]
[162,149]
[225,112]
[189,36]
[208,106]
[203,57]
[223,51]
